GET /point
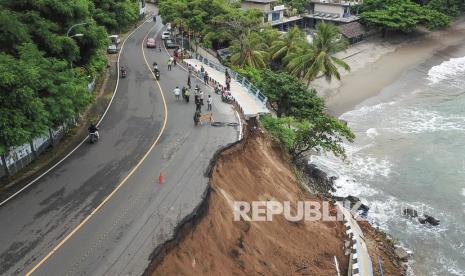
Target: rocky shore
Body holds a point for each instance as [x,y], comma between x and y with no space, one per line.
[380,245]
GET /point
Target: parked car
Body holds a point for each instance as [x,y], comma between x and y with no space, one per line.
[170,44]
[165,35]
[112,49]
[151,43]
[114,39]
[168,26]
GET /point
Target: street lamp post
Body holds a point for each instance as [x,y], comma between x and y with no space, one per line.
[75,35]
[75,25]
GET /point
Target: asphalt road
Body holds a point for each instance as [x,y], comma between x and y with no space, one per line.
[54,228]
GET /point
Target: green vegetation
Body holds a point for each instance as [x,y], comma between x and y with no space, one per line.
[276,64]
[319,133]
[299,5]
[316,58]
[249,51]
[43,72]
[292,41]
[288,96]
[404,15]
[115,15]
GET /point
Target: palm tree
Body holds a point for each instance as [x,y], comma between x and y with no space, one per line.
[309,61]
[250,51]
[288,43]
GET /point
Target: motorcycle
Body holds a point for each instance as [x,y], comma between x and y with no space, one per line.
[93,137]
[157,75]
[123,73]
[227,98]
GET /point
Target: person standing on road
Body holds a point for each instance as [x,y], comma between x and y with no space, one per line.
[198,105]
[209,103]
[201,97]
[205,78]
[187,95]
[189,81]
[177,93]
[202,71]
[169,64]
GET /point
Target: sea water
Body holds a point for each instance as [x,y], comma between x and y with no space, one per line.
[410,152]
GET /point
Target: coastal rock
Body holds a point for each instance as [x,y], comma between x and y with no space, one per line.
[319,179]
[401,254]
[350,201]
[429,219]
[409,212]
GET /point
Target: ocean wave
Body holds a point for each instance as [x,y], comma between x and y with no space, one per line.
[463,191]
[447,70]
[451,266]
[415,120]
[365,110]
[358,166]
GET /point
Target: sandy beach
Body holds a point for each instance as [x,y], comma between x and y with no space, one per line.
[376,63]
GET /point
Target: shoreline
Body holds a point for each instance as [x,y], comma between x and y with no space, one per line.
[385,64]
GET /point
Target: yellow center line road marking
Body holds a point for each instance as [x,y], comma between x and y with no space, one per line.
[107,198]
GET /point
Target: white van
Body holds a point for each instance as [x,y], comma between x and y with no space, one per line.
[114,39]
[165,35]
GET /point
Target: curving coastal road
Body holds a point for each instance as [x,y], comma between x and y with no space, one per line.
[102,210]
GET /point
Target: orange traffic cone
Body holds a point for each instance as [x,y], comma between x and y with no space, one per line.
[161,178]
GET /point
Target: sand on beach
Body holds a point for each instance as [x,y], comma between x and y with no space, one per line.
[374,68]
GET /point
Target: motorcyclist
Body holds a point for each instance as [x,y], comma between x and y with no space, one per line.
[123,70]
[93,129]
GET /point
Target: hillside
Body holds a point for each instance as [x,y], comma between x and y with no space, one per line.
[254,170]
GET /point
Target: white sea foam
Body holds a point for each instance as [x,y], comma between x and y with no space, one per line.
[372,133]
[452,267]
[447,70]
[463,191]
[365,110]
[415,120]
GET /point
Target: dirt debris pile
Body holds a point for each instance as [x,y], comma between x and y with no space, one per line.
[255,170]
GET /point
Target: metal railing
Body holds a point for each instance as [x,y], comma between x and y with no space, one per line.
[249,87]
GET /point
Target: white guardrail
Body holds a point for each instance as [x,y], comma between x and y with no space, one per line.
[360,259]
[234,75]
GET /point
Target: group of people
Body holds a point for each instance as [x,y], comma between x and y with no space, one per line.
[198,97]
[204,75]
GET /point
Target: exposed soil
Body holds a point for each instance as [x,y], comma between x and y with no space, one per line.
[254,170]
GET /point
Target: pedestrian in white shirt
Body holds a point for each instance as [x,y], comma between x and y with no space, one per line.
[177,93]
[209,103]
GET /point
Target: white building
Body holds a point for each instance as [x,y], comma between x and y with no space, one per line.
[335,11]
[273,14]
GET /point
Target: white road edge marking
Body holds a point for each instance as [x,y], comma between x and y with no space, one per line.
[84,140]
[123,181]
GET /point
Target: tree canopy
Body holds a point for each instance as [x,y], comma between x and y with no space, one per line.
[39,89]
[319,133]
[309,61]
[288,96]
[403,15]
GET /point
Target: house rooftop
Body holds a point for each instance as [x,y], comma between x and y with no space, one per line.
[352,30]
[331,17]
